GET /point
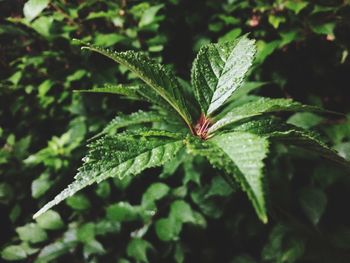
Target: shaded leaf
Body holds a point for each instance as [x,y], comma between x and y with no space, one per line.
[313,201]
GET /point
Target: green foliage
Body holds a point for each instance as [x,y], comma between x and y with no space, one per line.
[131,153]
[191,206]
[119,156]
[219,70]
[157,77]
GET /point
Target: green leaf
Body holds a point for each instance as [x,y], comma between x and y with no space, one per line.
[168,229]
[305,120]
[275,21]
[12,253]
[219,187]
[129,91]
[137,248]
[43,25]
[311,142]
[86,233]
[289,134]
[119,156]
[78,202]
[296,6]
[190,173]
[40,186]
[103,189]
[31,233]
[149,15]
[93,247]
[155,192]
[219,69]
[50,220]
[53,251]
[162,81]
[343,150]
[258,107]
[122,212]
[324,29]
[247,151]
[181,211]
[232,34]
[33,8]
[313,201]
[108,39]
[122,121]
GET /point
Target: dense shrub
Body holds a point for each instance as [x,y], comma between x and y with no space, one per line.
[44,126]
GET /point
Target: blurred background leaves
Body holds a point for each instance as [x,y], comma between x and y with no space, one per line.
[185,213]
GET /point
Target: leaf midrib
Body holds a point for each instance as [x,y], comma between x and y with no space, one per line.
[159,89]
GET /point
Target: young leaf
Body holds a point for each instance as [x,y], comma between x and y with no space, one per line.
[119,156]
[261,106]
[219,70]
[156,76]
[247,151]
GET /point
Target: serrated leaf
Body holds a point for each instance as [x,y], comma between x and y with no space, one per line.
[215,156]
[219,69]
[309,141]
[129,91]
[156,76]
[247,151]
[289,134]
[122,121]
[119,156]
[258,107]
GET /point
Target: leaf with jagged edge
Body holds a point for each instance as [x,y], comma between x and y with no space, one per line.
[156,76]
[215,156]
[119,156]
[219,70]
[247,151]
[277,130]
[122,121]
[133,92]
[258,107]
[129,91]
[240,155]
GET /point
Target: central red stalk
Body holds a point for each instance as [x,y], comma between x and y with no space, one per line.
[202,127]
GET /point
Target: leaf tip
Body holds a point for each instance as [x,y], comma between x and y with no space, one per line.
[264,219]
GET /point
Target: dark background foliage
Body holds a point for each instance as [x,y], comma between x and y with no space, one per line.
[303,51]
